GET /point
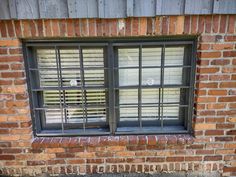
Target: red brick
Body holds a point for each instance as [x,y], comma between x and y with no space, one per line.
[193,158]
[135,26]
[194,21]
[230,38]
[150,25]
[231,132]
[4,67]
[155,159]
[26,28]
[213,158]
[165,25]
[219,77]
[7,157]
[174,159]
[62,27]
[204,151]
[10,28]
[40,28]
[48,28]
[210,54]
[216,106]
[227,99]
[128,26]
[35,163]
[231,24]
[3,29]
[214,132]
[33,27]
[207,85]
[12,74]
[187,25]
[4,131]
[201,24]
[225,126]
[70,27]
[92,27]
[223,138]
[208,24]
[229,54]
[223,20]
[220,62]
[217,92]
[215,27]
[113,27]
[208,70]
[55,28]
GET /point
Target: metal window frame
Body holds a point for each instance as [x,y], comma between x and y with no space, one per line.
[110,79]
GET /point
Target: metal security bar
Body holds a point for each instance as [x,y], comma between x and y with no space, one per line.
[109,87]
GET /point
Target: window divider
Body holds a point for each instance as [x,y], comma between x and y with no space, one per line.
[139,88]
[59,85]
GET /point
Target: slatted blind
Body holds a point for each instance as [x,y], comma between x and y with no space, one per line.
[73,85]
[143,96]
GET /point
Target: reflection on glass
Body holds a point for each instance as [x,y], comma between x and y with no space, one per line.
[171,95]
[93,57]
[149,113]
[129,114]
[173,76]
[129,96]
[151,76]
[150,95]
[174,55]
[69,58]
[151,56]
[128,77]
[128,57]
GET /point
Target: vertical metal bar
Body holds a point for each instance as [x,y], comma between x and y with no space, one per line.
[139,88]
[191,89]
[162,83]
[112,98]
[82,87]
[60,87]
[83,84]
[63,91]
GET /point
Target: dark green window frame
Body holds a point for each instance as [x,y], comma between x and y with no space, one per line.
[112,125]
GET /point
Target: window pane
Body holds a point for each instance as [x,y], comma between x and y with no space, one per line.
[46,58]
[150,95]
[151,56]
[151,76]
[128,57]
[129,96]
[128,77]
[54,115]
[48,78]
[69,58]
[71,78]
[170,113]
[171,95]
[173,76]
[174,55]
[150,113]
[94,77]
[93,57]
[129,114]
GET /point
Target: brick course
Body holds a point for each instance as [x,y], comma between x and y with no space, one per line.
[212,148]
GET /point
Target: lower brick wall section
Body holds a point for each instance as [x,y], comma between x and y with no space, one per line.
[211,148]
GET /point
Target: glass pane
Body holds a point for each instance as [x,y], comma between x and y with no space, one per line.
[93,57]
[151,56]
[149,113]
[69,58]
[171,95]
[46,58]
[129,96]
[70,78]
[129,114]
[54,115]
[128,57]
[48,78]
[170,113]
[150,95]
[75,115]
[173,76]
[94,77]
[128,77]
[96,114]
[174,55]
[151,76]
[52,97]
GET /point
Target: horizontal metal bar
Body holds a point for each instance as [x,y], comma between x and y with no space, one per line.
[143,106]
[70,107]
[144,67]
[151,86]
[65,44]
[156,44]
[67,88]
[72,68]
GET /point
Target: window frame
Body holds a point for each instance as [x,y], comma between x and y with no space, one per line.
[109,56]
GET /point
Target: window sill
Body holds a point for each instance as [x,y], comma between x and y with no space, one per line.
[71,142]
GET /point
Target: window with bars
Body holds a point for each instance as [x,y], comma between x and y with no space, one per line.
[111,87]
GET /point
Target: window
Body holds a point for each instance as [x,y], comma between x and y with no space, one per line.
[115,86]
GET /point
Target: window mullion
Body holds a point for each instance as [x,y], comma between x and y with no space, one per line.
[84,105]
[162,85]
[59,85]
[111,81]
[139,88]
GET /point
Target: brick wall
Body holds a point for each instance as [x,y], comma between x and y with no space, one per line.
[212,148]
